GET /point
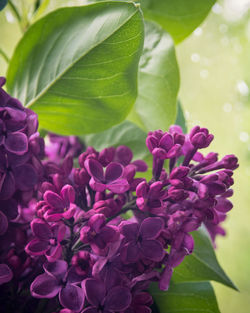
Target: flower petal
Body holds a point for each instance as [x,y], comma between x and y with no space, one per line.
[130,253]
[45,286]
[152,249]
[16,143]
[113,172]
[129,230]
[124,155]
[68,194]
[118,299]
[37,247]
[94,169]
[41,229]
[118,186]
[54,200]
[72,297]
[5,274]
[96,185]
[151,227]
[54,253]
[56,269]
[94,290]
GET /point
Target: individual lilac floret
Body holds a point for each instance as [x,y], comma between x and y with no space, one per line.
[101,300]
[142,240]
[98,234]
[60,206]
[57,280]
[47,239]
[111,180]
[149,197]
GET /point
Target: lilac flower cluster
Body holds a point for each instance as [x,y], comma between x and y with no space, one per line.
[92,238]
[21,150]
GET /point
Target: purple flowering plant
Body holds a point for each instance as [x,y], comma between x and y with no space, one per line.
[64,232]
[100,230]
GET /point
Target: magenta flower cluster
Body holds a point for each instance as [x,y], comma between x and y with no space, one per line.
[92,238]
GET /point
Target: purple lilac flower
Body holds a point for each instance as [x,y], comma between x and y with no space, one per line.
[142,240]
[59,206]
[76,220]
[98,234]
[111,180]
[47,239]
[117,299]
[57,280]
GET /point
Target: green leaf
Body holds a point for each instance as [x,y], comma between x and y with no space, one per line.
[77,67]
[186,298]
[202,264]
[158,81]
[125,133]
[178,17]
[180,119]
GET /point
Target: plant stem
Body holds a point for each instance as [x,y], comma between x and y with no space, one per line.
[4,55]
[15,11]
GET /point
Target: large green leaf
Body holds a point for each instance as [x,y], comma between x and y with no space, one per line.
[178,17]
[186,298]
[202,264]
[77,67]
[125,133]
[158,81]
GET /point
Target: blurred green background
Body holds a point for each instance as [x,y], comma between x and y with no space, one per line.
[215,93]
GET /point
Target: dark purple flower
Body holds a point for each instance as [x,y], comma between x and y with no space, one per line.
[59,206]
[116,299]
[98,234]
[111,180]
[141,240]
[47,239]
[56,280]
[149,197]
